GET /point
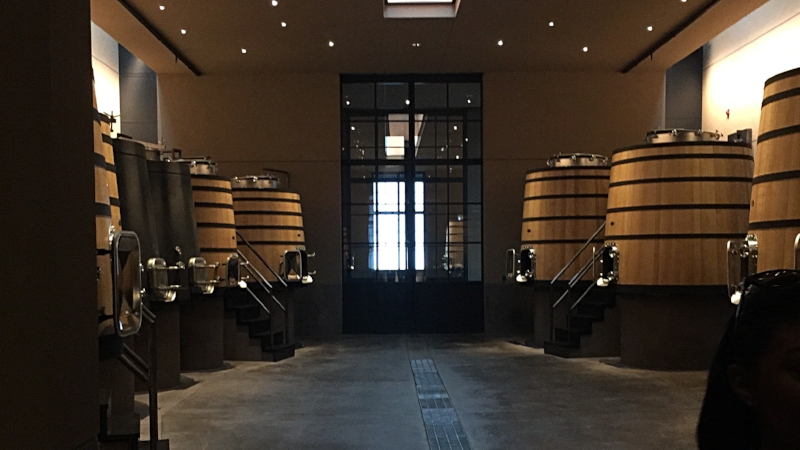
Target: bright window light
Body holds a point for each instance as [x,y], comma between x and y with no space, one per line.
[389,229]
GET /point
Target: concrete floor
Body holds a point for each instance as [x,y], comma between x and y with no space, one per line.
[359,393]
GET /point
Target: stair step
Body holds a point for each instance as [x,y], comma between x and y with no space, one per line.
[568,336]
[279,353]
[581,324]
[240,307]
[254,320]
[561,349]
[120,429]
[163,444]
[257,325]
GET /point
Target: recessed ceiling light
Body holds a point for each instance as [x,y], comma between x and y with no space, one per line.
[552,24]
[283,24]
[469,101]
[650,28]
[585,49]
[331,44]
[351,128]
[274,2]
[347,103]
[244,50]
[500,42]
[683,1]
[183,31]
[455,127]
[416,44]
[162,7]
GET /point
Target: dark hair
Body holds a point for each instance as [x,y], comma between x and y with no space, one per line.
[726,421]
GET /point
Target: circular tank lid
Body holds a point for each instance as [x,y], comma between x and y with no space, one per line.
[578,160]
[681,135]
[256,182]
[199,166]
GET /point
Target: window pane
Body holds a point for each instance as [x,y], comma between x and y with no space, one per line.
[474,184]
[465,95]
[393,95]
[358,96]
[419,240]
[362,134]
[430,95]
[473,140]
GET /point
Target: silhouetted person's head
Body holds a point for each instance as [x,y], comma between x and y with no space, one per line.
[753,396]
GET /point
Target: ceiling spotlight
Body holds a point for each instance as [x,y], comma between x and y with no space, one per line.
[650,28]
[455,127]
[585,49]
[500,42]
[416,44]
[183,31]
[347,103]
[283,24]
[274,2]
[552,24]
[683,1]
[408,102]
[331,44]
[244,50]
[469,101]
[352,128]
[162,7]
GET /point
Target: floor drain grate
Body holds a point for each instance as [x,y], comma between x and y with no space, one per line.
[442,426]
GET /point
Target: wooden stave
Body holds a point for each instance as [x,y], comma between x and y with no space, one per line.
[549,258]
[659,234]
[271,221]
[103,224]
[775,216]
[103,143]
[776,247]
[782,82]
[208,235]
[780,114]
[773,159]
[572,202]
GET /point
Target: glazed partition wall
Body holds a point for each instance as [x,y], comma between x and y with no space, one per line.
[412,204]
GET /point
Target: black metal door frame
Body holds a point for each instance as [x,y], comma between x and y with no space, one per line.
[402,309]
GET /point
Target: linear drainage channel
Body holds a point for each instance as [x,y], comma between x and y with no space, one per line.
[442,426]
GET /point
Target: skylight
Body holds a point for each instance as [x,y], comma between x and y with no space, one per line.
[412,2]
[420,9]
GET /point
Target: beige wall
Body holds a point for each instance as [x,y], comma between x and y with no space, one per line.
[105,65]
[291,122]
[287,122]
[741,59]
[530,117]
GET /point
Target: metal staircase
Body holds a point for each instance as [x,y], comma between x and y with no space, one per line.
[258,324]
[583,318]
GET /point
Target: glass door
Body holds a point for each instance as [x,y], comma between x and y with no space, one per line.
[412,204]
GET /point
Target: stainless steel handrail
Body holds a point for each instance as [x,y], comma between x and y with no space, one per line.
[574,280]
[260,280]
[258,255]
[147,373]
[577,278]
[580,252]
[255,297]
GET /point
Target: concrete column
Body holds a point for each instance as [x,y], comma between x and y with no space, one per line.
[48,339]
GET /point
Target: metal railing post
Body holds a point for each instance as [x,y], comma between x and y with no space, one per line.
[573,282]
